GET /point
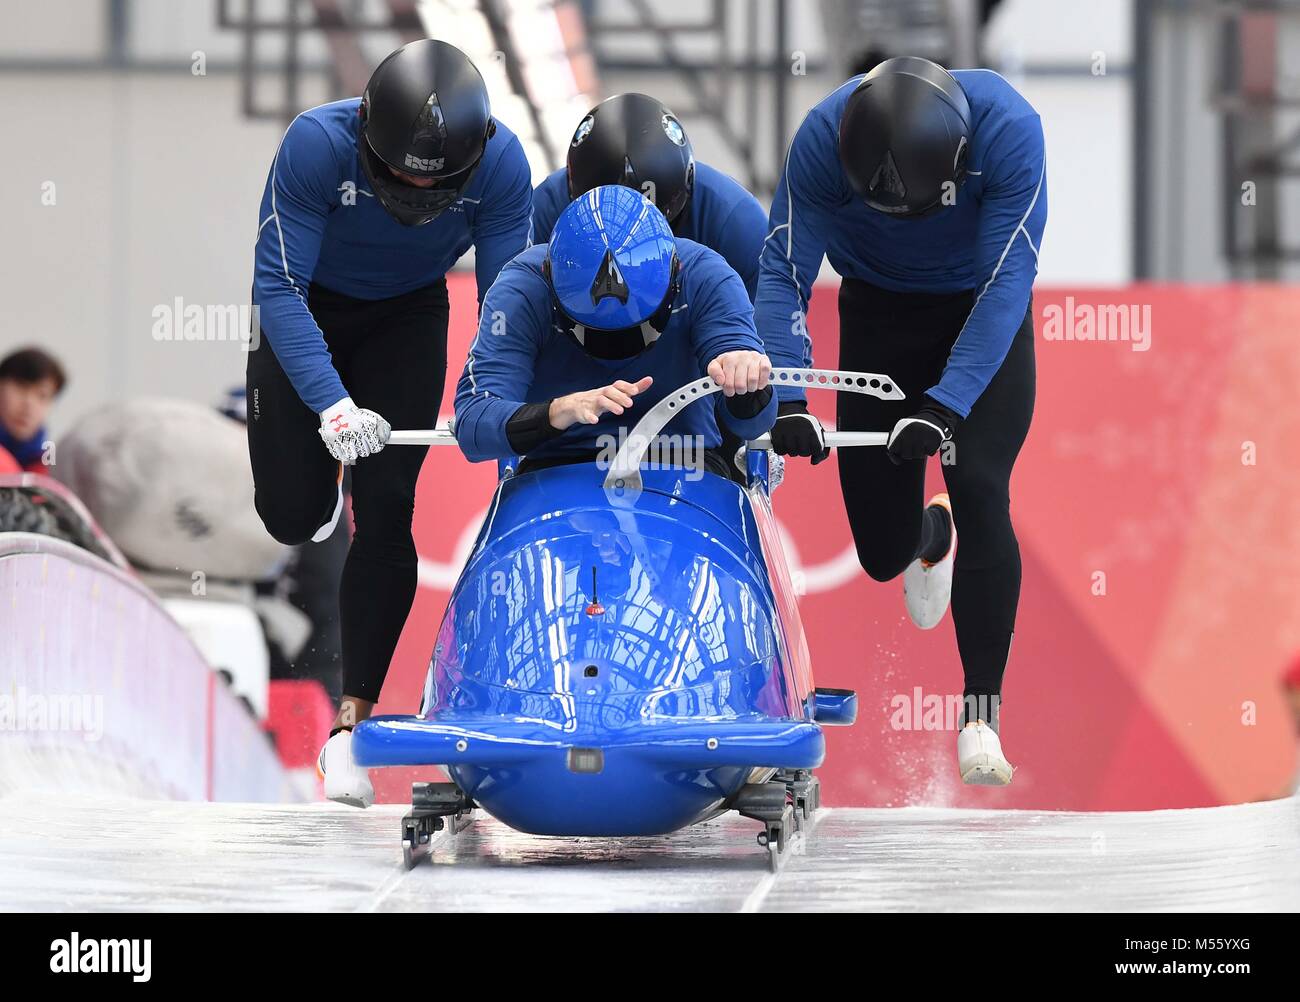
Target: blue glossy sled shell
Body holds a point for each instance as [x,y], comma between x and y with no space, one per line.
[636,710]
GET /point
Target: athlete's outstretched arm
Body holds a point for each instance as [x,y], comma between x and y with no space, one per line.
[1012,217]
[802,211]
[722,324]
[300,193]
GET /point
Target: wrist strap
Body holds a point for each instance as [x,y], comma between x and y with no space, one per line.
[529,427]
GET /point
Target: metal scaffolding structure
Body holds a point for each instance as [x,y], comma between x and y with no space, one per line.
[1248,114]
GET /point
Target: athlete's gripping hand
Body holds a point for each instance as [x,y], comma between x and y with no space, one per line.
[798,433]
[589,406]
[920,435]
[740,372]
[351,432]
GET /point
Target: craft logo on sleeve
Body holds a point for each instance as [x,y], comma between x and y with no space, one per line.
[75,955]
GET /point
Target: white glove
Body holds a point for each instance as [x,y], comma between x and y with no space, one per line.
[350,432]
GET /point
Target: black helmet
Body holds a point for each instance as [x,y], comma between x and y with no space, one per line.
[633,140]
[904,136]
[425,113]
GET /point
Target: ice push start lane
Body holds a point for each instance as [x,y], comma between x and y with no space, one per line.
[168,855]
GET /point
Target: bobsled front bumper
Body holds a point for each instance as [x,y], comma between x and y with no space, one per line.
[642,780]
[407,740]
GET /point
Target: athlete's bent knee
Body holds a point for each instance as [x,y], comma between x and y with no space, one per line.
[882,566]
[291,525]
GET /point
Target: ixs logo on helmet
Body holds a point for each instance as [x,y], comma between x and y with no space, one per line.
[421,163]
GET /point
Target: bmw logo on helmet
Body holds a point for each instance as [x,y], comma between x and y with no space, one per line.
[633,139]
[583,130]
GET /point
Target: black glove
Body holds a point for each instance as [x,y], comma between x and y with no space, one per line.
[748,405]
[798,433]
[920,435]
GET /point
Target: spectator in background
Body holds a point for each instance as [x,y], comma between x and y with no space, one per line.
[30,381]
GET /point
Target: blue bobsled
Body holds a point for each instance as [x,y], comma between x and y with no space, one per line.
[622,655]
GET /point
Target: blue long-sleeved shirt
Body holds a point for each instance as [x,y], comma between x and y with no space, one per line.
[27,451]
[320,222]
[721,214]
[987,241]
[520,356]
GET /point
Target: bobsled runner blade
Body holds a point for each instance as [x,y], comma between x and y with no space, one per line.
[805,792]
[770,804]
[786,805]
[434,807]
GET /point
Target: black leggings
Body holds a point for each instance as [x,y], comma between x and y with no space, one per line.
[392,356]
[908,336]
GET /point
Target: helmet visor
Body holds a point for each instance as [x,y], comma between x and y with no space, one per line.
[623,342]
[410,204]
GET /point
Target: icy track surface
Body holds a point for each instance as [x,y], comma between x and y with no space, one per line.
[102,854]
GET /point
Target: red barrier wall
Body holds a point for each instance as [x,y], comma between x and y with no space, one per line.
[1155,503]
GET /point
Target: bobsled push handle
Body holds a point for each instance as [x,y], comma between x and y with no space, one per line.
[625,471]
[441,435]
[834,439]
